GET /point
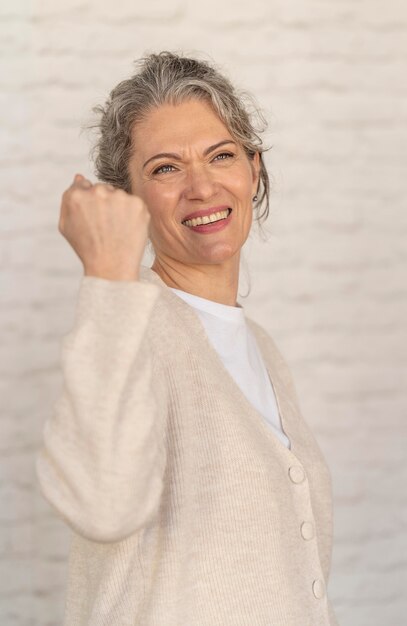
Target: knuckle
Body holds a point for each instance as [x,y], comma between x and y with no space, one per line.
[138,202]
[100,190]
[120,193]
[75,195]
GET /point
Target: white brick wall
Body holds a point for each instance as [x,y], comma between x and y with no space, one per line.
[329,284]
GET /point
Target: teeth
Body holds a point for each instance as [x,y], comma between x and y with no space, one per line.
[207,219]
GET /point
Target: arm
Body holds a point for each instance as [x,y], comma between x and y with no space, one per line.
[103,456]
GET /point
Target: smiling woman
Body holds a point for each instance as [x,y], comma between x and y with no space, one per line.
[177,452]
[180,169]
[178,135]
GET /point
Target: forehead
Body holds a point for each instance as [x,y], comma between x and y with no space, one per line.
[175,126]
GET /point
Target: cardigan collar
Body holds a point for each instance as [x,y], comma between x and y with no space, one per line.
[287,405]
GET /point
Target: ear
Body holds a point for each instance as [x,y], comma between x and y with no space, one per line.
[256,165]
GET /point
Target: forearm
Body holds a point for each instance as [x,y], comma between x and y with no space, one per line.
[103,457]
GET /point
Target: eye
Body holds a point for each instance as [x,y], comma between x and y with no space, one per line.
[223,156]
[162,169]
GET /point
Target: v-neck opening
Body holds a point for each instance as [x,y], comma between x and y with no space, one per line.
[200,331]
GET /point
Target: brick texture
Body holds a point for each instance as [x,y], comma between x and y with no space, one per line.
[329,282]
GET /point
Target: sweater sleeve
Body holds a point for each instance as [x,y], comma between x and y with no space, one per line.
[103,454]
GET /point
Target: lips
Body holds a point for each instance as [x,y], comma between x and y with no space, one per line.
[203,212]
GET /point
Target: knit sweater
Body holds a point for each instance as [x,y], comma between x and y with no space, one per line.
[185,507]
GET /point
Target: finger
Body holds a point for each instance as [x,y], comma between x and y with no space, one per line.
[81,181]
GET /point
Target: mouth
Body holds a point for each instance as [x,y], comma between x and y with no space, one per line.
[217,216]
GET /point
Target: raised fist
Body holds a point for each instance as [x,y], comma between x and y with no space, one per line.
[107,228]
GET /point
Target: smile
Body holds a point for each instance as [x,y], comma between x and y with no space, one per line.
[208,219]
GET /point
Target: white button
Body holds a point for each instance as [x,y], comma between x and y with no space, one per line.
[307,530]
[296,473]
[318,588]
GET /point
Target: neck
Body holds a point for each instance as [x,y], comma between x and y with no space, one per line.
[218,282]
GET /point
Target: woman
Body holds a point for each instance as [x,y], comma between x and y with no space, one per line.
[177,452]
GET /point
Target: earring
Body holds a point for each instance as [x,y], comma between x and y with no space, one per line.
[255,198]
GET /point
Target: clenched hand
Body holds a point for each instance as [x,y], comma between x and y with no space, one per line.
[107,228]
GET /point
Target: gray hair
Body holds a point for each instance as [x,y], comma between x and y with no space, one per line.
[168,78]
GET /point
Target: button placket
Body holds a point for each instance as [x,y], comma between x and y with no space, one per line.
[297,476]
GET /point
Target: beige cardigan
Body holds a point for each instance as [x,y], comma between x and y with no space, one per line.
[186,509]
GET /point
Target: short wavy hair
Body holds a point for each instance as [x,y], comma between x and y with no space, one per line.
[169,78]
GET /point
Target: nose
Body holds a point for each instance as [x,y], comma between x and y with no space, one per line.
[200,184]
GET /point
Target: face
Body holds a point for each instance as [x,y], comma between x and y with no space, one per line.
[186,161]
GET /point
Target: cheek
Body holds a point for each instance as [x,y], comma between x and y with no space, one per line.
[159,200]
[242,187]
[162,203]
[241,181]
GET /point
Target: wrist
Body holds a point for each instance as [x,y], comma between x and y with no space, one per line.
[112,274]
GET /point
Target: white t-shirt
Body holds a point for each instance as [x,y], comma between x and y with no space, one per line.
[236,345]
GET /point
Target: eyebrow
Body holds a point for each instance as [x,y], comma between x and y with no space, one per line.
[177,157]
